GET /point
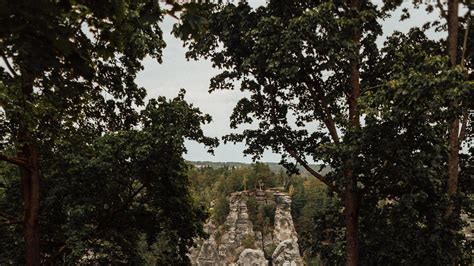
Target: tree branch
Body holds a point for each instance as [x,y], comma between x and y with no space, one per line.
[14,160]
[462,132]
[10,222]
[6,216]
[99,229]
[441,9]
[313,172]
[4,57]
[106,219]
[52,258]
[464,44]
[300,160]
[315,91]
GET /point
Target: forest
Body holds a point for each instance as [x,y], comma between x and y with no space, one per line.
[374,129]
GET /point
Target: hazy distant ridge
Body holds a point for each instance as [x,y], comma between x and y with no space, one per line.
[275,167]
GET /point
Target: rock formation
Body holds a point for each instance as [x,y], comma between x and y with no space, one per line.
[252,257]
[284,228]
[286,252]
[241,242]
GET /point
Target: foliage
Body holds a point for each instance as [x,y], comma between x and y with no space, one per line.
[248,241]
[103,197]
[262,216]
[318,221]
[210,184]
[312,206]
[72,81]
[61,59]
[268,250]
[220,209]
[278,52]
[109,176]
[408,165]
[296,62]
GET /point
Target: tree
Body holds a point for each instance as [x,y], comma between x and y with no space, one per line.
[457,49]
[405,144]
[319,222]
[68,76]
[262,175]
[455,137]
[303,64]
[102,198]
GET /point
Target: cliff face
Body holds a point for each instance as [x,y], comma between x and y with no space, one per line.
[258,230]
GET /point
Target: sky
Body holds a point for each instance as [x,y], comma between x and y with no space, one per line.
[177,72]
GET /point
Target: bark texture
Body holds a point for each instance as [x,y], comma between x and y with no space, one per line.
[351,194]
[30,182]
[454,145]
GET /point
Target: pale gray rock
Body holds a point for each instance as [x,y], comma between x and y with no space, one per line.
[284,228]
[287,253]
[225,246]
[252,257]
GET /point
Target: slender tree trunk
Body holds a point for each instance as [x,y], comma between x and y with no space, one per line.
[355,86]
[351,194]
[454,145]
[351,197]
[453,28]
[351,213]
[30,184]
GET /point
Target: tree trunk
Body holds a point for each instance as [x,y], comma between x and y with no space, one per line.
[454,145]
[351,214]
[453,28]
[355,87]
[351,195]
[30,183]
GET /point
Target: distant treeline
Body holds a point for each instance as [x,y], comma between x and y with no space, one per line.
[274,167]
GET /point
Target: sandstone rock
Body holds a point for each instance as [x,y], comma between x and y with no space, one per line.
[468,230]
[284,228]
[207,254]
[287,253]
[228,244]
[252,257]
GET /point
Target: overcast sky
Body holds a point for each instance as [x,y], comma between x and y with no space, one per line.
[176,72]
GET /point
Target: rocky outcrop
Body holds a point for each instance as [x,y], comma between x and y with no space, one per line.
[468,229]
[287,253]
[252,257]
[284,228]
[241,242]
[207,254]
